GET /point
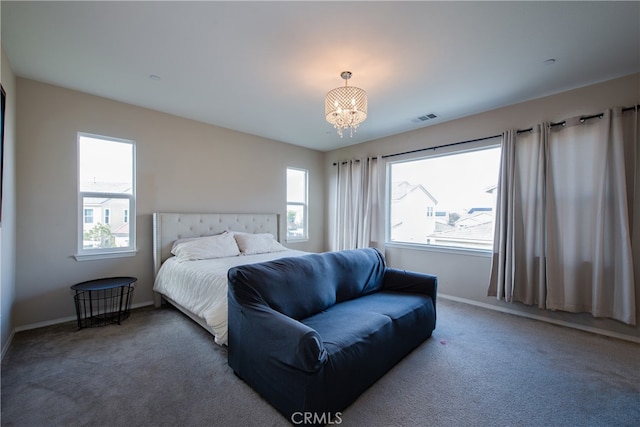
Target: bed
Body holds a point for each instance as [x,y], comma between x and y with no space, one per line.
[198,287]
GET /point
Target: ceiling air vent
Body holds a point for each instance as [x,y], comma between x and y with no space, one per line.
[424,118]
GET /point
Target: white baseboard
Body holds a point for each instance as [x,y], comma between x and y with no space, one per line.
[52,322]
[542,318]
[7,344]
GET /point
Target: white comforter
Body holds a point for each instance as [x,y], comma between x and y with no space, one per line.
[201,286]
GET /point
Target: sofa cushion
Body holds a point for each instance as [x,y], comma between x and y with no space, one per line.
[403,309]
[377,316]
[341,328]
[300,287]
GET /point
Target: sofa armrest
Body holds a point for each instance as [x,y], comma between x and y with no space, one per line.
[292,342]
[410,281]
[284,340]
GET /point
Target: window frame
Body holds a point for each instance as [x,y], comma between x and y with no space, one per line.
[473,146]
[83,254]
[305,207]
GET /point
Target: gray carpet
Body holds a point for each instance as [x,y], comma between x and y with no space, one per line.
[480,368]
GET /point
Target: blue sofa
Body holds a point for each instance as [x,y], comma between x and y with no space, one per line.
[311,333]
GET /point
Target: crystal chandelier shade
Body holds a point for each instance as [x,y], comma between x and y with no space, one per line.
[346,107]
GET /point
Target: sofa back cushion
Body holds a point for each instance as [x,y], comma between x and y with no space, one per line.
[299,287]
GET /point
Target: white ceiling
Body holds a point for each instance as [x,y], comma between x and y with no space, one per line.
[264,67]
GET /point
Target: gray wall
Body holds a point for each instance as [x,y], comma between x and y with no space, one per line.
[190,166]
[7,227]
[466,276]
[182,166]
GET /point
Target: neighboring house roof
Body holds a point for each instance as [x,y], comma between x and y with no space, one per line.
[106,187]
[473,232]
[442,227]
[474,219]
[96,202]
[474,210]
[397,224]
[123,229]
[400,189]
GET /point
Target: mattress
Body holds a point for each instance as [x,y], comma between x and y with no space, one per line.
[201,286]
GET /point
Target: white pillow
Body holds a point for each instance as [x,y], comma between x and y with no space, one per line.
[189,239]
[259,243]
[218,246]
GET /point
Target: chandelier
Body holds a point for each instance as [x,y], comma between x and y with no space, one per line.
[346,107]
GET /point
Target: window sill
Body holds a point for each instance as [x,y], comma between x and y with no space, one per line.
[484,253]
[105,255]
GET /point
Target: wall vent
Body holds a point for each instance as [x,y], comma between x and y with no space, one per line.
[424,118]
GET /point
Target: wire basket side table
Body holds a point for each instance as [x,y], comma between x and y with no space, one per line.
[104,301]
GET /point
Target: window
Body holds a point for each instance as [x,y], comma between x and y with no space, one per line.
[106,183]
[297,204]
[457,191]
[88,216]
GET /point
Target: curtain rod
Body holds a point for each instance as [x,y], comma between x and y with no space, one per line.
[562,123]
[441,146]
[582,119]
[430,148]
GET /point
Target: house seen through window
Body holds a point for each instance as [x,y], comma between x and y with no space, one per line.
[446,200]
[297,185]
[106,182]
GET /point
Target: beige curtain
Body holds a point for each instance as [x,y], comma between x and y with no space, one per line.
[356,204]
[518,272]
[563,223]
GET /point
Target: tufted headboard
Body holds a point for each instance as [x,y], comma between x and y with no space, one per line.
[168,227]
